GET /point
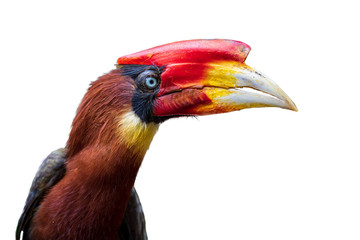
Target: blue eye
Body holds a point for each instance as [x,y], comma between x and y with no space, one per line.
[151,82]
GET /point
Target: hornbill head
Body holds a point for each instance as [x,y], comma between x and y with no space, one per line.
[186,78]
[198,77]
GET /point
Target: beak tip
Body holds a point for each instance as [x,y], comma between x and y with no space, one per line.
[295,109]
[291,106]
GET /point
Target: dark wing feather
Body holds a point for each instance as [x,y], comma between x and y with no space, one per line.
[133,225]
[50,172]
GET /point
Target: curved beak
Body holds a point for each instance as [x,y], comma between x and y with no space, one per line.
[221,87]
[203,77]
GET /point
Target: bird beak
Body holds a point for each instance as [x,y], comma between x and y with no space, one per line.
[222,87]
[201,77]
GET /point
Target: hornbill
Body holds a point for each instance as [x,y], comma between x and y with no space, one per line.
[85,191]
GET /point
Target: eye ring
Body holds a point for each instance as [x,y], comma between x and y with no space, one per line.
[148,81]
[151,82]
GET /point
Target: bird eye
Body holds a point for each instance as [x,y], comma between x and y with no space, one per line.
[151,82]
[148,80]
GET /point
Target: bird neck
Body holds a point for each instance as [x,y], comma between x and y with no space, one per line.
[106,147]
[91,199]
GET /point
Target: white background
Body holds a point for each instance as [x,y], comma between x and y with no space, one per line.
[254,174]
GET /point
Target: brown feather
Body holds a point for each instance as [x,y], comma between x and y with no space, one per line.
[90,201]
[106,100]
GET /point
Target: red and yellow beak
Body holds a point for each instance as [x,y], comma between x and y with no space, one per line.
[202,77]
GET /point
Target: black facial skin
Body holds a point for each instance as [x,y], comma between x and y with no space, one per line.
[144,96]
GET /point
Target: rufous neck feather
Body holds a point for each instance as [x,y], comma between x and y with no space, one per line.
[105,149]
